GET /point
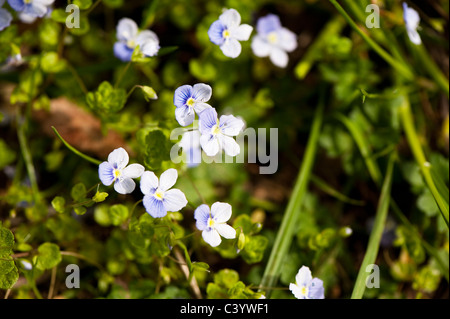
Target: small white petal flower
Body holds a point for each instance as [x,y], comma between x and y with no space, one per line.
[217,133]
[188,99]
[32,8]
[273,40]
[213,224]
[158,197]
[116,171]
[412,19]
[307,287]
[228,31]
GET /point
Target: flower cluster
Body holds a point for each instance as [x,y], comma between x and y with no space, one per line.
[160,197]
[28,10]
[305,286]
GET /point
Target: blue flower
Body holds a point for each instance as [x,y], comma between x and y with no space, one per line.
[273,40]
[158,197]
[188,99]
[307,287]
[5,16]
[228,31]
[116,171]
[190,142]
[129,37]
[213,224]
[217,133]
[33,8]
[412,19]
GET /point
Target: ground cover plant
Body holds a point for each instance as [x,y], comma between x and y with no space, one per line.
[224,149]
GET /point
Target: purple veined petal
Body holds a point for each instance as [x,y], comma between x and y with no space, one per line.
[201,216]
[17,5]
[184,115]
[212,237]
[231,125]
[5,18]
[231,48]
[133,171]
[118,158]
[154,207]
[182,95]
[207,120]
[288,40]
[221,212]
[210,144]
[126,30]
[124,185]
[168,179]
[267,24]
[303,277]
[242,32]
[215,32]
[174,200]
[226,231]
[105,173]
[229,145]
[296,291]
[35,9]
[316,289]
[149,183]
[279,57]
[260,47]
[122,52]
[201,92]
[230,18]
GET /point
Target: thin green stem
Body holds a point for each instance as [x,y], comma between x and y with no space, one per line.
[289,223]
[70,147]
[425,167]
[377,231]
[119,79]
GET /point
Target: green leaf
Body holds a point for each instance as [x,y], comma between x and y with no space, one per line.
[58,204]
[157,149]
[78,192]
[84,27]
[99,197]
[198,265]
[113,3]
[51,63]
[106,99]
[48,256]
[79,210]
[7,155]
[83,4]
[6,242]
[118,214]
[59,15]
[8,279]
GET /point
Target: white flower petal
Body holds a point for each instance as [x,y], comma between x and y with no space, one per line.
[231,48]
[133,171]
[225,230]
[154,206]
[411,17]
[168,179]
[200,107]
[303,276]
[414,36]
[260,47]
[106,173]
[201,215]
[201,92]
[148,42]
[174,200]
[231,125]
[242,32]
[124,185]
[221,212]
[149,183]
[230,18]
[279,57]
[118,158]
[229,145]
[210,144]
[126,29]
[296,291]
[184,115]
[212,237]
[288,40]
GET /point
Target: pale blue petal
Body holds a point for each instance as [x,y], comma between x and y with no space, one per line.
[303,277]
[35,9]
[316,290]
[230,18]
[182,95]
[231,125]
[168,179]
[118,158]
[212,237]
[210,144]
[184,115]
[221,212]
[149,183]
[5,18]
[226,231]
[229,145]
[215,32]
[124,185]
[126,29]
[201,215]
[154,206]
[201,92]
[122,52]
[133,171]
[208,118]
[174,200]
[267,24]
[105,173]
[231,48]
[17,5]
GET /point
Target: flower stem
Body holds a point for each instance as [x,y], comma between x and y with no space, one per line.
[290,219]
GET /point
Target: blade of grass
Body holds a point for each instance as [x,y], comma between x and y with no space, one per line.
[407,121]
[289,223]
[377,231]
[70,147]
[332,192]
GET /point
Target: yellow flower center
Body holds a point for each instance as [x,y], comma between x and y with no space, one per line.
[116,173]
[272,37]
[131,44]
[27,1]
[190,102]
[159,195]
[304,291]
[226,33]
[211,222]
